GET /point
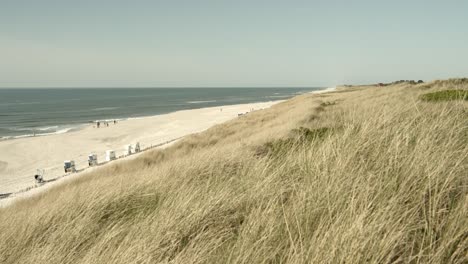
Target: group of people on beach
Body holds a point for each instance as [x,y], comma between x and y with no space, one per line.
[98,123]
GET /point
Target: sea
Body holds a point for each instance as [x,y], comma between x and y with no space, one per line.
[38,111]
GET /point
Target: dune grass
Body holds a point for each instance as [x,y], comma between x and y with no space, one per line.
[370,175]
[445,95]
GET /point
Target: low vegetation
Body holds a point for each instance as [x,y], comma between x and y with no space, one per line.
[298,137]
[445,95]
[370,175]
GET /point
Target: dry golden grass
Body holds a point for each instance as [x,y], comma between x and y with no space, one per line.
[375,175]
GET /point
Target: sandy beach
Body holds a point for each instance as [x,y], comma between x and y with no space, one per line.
[20,158]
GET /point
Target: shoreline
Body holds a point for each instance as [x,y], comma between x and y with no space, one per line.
[68,128]
[172,123]
[8,197]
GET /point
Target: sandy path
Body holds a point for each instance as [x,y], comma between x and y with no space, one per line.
[19,158]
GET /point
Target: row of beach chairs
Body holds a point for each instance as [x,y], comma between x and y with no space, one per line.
[69,165]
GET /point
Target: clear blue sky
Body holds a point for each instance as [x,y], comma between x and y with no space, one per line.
[45,43]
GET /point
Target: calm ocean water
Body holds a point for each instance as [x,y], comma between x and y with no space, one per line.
[25,112]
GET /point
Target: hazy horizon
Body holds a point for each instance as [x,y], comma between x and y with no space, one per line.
[156,44]
[161,87]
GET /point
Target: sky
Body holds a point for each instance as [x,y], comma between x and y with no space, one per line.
[116,43]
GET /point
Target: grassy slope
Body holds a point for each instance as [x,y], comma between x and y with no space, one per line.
[377,176]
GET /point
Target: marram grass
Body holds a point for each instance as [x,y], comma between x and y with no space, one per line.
[362,175]
[445,95]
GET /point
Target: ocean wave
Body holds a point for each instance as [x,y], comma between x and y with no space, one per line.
[19,103]
[19,128]
[32,129]
[104,108]
[63,130]
[201,102]
[46,128]
[279,96]
[110,120]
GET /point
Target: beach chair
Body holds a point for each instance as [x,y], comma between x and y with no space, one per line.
[39,176]
[136,147]
[110,155]
[92,160]
[127,150]
[69,166]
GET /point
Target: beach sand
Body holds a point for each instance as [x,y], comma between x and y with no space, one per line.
[20,158]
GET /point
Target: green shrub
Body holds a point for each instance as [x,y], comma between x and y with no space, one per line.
[307,134]
[298,136]
[446,95]
[325,104]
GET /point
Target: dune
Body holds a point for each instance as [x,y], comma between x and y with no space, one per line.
[20,158]
[363,174]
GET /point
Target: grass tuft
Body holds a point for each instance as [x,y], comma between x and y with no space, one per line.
[298,137]
[445,95]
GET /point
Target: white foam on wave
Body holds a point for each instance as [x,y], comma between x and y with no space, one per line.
[63,130]
[19,103]
[201,102]
[279,96]
[46,128]
[105,108]
[110,120]
[20,128]
[32,129]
